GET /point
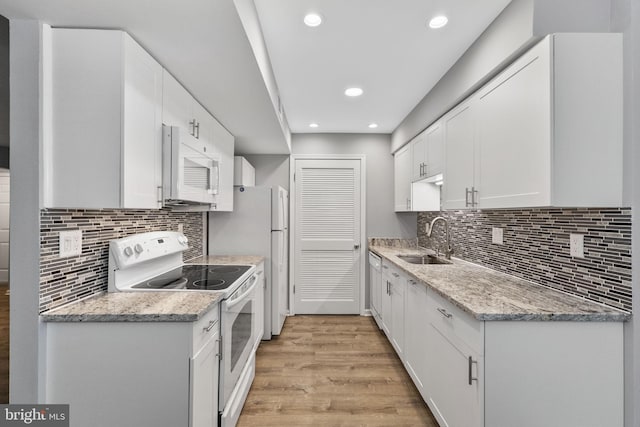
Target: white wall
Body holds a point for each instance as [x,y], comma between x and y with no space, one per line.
[26,133]
[381,220]
[625,18]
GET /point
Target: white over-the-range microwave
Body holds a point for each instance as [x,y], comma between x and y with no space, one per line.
[190,170]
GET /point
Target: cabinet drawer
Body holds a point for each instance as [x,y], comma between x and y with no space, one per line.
[206,327]
[456,325]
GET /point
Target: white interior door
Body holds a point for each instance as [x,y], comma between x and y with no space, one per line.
[327,236]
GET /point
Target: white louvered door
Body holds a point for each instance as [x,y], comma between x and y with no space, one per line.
[327,252]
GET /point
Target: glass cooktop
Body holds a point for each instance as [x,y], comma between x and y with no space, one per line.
[196,277]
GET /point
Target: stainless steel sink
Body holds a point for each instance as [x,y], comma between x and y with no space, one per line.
[423,259]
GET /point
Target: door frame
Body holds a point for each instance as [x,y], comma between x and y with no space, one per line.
[292,222]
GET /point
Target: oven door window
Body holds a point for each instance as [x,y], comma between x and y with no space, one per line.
[241,332]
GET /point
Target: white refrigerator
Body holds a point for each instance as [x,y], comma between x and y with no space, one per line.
[258,225]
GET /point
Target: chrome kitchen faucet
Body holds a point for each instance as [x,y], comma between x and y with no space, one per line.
[449,249]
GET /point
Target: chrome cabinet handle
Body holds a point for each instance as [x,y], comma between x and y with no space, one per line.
[395,274]
[212,323]
[385,267]
[192,125]
[445,313]
[471,377]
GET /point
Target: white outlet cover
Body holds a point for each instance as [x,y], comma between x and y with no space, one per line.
[497,236]
[70,243]
[576,245]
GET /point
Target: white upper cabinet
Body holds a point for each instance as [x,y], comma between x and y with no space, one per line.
[179,108]
[544,132]
[419,156]
[428,152]
[459,127]
[106,104]
[402,179]
[177,103]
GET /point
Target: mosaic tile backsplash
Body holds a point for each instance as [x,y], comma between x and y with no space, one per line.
[536,247]
[63,280]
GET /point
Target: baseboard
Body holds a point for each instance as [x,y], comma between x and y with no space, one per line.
[366,312]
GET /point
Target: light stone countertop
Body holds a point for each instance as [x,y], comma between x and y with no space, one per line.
[160,306]
[491,295]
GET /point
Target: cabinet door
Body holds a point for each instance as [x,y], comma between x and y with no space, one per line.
[397,313]
[453,401]
[402,179]
[203,398]
[177,103]
[386,300]
[416,323]
[224,144]
[459,159]
[418,156]
[434,150]
[142,133]
[514,135]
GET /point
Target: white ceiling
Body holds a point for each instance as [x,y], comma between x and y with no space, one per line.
[383,46]
[201,42]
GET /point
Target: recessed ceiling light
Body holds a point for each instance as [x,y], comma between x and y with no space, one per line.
[313,125]
[353,91]
[438,21]
[312,19]
[373,125]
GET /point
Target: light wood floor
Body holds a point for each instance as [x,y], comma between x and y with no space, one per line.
[332,371]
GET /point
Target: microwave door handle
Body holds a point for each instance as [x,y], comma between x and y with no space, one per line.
[238,300]
[214,168]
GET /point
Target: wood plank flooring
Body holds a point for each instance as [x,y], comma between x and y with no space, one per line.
[332,371]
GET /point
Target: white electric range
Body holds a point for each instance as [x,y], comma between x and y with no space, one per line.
[153,262]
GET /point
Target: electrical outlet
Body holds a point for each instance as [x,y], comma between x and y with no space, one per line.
[576,245]
[180,228]
[70,243]
[497,236]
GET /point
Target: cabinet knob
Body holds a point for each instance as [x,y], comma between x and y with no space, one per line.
[356,246]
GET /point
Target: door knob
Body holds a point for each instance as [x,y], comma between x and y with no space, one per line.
[356,246]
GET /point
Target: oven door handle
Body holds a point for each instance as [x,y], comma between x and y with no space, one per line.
[239,299]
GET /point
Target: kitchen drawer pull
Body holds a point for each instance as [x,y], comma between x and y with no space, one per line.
[395,275]
[212,323]
[445,313]
[471,377]
[385,267]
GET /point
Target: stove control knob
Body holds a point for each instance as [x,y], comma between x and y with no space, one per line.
[138,248]
[128,251]
[183,240]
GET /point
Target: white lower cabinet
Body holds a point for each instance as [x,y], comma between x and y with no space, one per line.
[204,384]
[393,306]
[135,374]
[454,381]
[415,333]
[474,373]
